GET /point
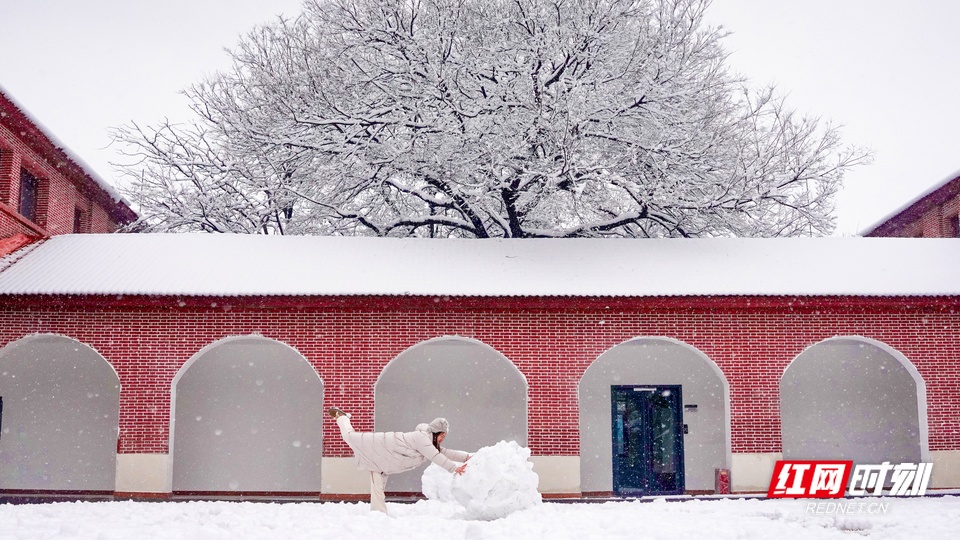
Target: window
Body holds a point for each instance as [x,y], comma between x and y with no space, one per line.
[79,221]
[29,191]
[953,228]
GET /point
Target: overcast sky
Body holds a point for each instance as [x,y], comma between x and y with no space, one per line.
[887,71]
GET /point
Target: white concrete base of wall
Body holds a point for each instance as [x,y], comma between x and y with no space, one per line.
[752,472]
[558,474]
[149,473]
[946,469]
[143,473]
[341,476]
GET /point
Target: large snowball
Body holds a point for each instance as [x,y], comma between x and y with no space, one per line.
[499,480]
[437,483]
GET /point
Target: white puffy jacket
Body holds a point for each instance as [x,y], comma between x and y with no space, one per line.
[394,452]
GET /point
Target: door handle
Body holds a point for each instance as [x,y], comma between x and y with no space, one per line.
[621,428]
[625,439]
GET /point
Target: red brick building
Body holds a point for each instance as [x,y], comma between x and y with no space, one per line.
[186,365]
[44,189]
[202,364]
[931,215]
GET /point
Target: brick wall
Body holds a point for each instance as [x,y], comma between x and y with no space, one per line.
[935,223]
[100,220]
[11,223]
[11,226]
[551,341]
[933,216]
[61,192]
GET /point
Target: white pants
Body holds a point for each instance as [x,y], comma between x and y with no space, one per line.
[378,480]
[378,500]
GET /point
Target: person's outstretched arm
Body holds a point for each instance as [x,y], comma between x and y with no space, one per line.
[424,445]
[456,455]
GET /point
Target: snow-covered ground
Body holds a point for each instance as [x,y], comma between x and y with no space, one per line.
[906,518]
[498,483]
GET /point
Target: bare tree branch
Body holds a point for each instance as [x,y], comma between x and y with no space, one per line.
[482,118]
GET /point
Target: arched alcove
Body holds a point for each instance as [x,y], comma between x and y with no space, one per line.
[247,417]
[644,364]
[481,393]
[853,398]
[61,410]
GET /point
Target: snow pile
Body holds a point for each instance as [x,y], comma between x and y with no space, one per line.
[499,481]
[438,484]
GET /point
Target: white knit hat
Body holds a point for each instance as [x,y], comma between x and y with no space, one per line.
[439,425]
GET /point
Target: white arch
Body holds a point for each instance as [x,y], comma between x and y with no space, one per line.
[921,385]
[462,379]
[696,353]
[706,359]
[64,336]
[440,339]
[99,431]
[713,365]
[186,368]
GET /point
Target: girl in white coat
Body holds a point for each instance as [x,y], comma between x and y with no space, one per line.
[385,453]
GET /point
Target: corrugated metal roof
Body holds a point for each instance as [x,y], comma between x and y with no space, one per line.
[248,265]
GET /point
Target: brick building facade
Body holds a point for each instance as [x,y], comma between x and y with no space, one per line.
[201,385]
[935,214]
[202,366]
[46,191]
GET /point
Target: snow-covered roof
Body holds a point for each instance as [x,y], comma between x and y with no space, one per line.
[252,265]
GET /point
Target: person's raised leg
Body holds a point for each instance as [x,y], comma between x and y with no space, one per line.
[343,422]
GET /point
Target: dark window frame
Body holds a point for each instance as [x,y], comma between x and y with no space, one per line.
[78,220]
[29,199]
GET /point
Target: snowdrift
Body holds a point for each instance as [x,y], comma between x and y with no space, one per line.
[499,481]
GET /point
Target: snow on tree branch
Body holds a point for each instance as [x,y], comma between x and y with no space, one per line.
[488,118]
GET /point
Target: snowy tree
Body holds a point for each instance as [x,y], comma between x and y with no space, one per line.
[488,118]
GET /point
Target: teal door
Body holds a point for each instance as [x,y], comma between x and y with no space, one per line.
[647,425]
